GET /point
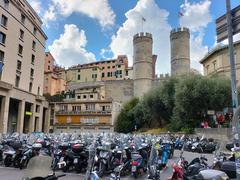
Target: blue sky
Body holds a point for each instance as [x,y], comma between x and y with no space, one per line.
[81,31]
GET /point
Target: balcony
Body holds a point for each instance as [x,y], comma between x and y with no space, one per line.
[5,85]
[83,113]
[40,98]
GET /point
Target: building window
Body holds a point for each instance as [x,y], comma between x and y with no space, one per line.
[108,67]
[34,30]
[207,69]
[91,96]
[126,72]
[79,70]
[4,20]
[108,74]
[48,67]
[103,74]
[119,66]
[79,76]
[94,69]
[32,72]
[84,96]
[33,59]
[19,65]
[17,80]
[21,35]
[6,3]
[2,38]
[1,56]
[30,87]
[79,97]
[214,65]
[90,107]
[37,109]
[20,49]
[38,90]
[33,45]
[103,67]
[23,18]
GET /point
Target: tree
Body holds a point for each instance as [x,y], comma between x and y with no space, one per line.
[125,121]
[194,96]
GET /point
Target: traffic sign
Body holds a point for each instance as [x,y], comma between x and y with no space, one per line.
[221,24]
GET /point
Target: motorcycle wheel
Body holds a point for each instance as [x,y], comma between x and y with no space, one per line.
[16,163]
[22,164]
[78,168]
[102,169]
[8,161]
[65,168]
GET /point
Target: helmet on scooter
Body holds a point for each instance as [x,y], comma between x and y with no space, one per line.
[36,146]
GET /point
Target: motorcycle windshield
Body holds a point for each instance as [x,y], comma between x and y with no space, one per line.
[153,155]
[39,166]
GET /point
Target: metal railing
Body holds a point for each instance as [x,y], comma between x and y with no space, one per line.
[81,112]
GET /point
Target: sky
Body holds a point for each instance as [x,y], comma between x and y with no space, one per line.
[83,31]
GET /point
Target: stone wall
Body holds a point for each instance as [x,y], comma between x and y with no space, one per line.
[222,134]
[119,91]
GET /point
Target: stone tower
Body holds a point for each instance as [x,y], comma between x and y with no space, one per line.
[142,63]
[180,53]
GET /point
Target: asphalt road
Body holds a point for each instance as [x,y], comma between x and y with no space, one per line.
[16,174]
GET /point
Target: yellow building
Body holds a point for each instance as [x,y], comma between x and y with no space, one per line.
[217,61]
[85,109]
[113,69]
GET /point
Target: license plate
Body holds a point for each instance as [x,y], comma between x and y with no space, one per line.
[61,159]
[134,168]
[75,161]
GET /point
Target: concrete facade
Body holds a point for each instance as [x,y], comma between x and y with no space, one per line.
[217,62]
[180,51]
[23,108]
[142,63]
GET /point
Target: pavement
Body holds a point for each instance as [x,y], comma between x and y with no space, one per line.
[16,174]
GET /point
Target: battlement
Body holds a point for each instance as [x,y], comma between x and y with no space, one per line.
[180,29]
[141,35]
[162,76]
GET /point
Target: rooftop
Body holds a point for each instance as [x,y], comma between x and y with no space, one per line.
[216,49]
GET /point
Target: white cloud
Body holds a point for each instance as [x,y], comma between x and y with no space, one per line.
[196,16]
[36,5]
[156,23]
[49,15]
[96,9]
[69,49]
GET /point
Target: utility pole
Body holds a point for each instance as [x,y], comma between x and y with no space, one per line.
[236,110]
[231,56]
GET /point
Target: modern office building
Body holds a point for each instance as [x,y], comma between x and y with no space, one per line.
[22,46]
